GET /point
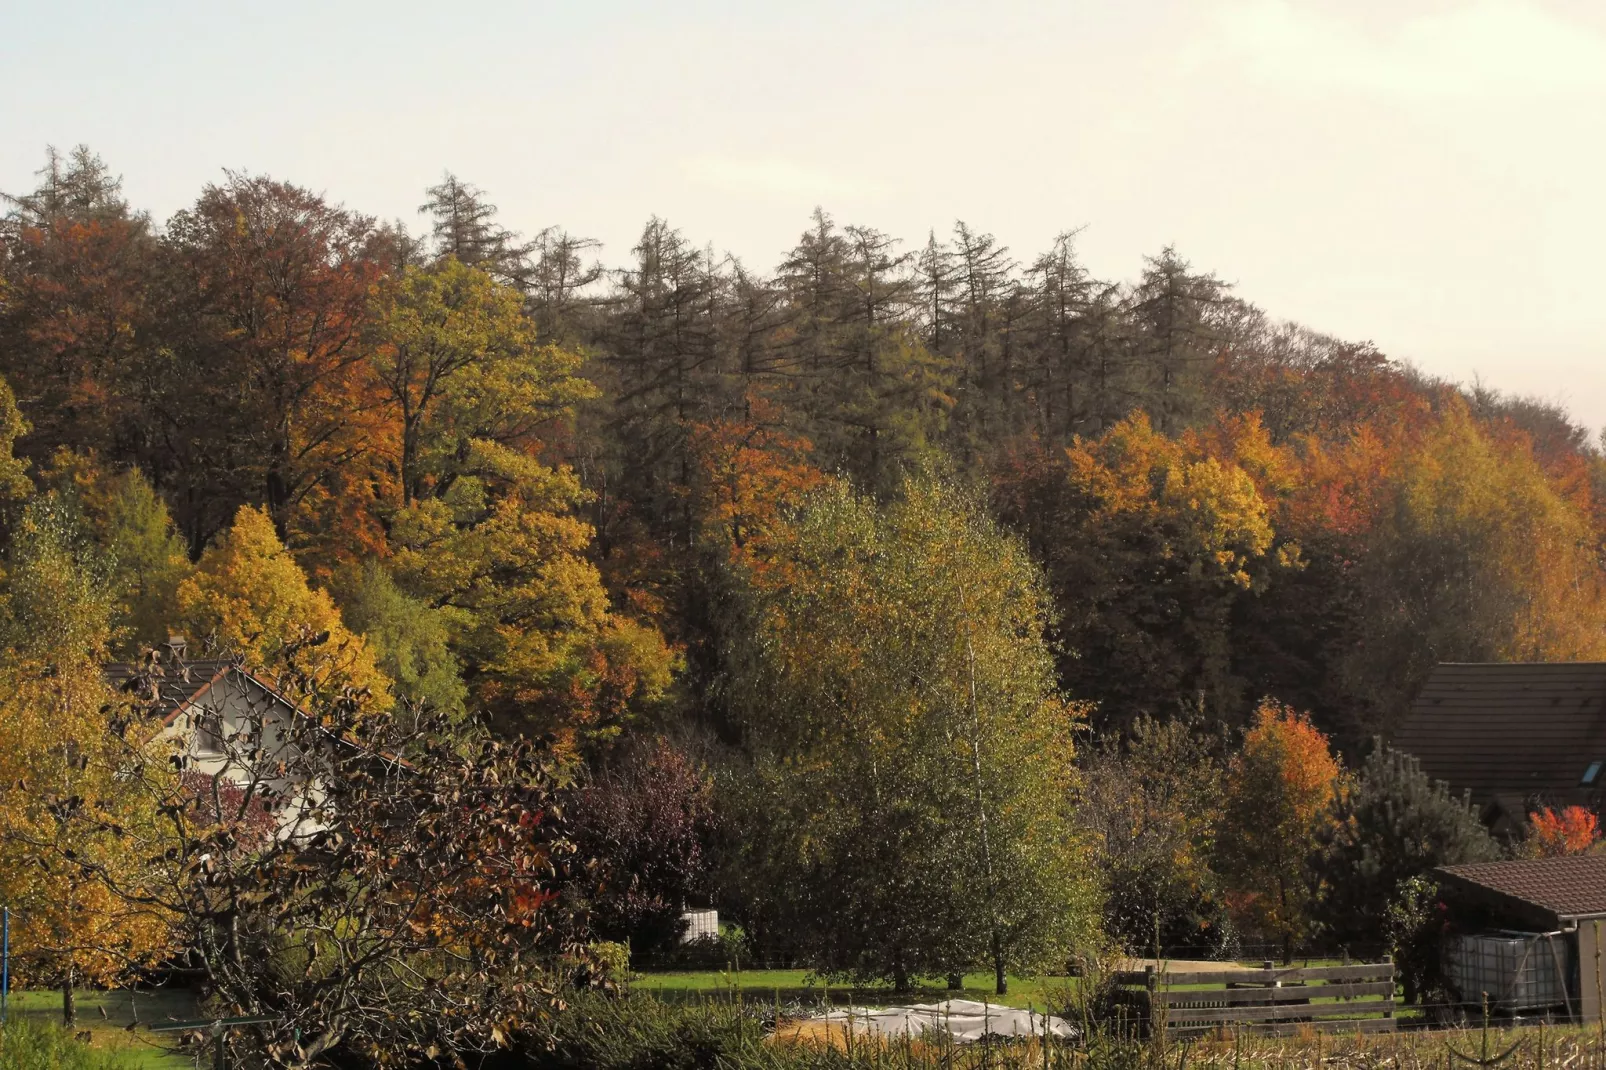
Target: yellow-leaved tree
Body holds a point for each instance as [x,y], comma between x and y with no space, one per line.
[484,536]
[14,482]
[1151,544]
[1476,556]
[248,598]
[66,803]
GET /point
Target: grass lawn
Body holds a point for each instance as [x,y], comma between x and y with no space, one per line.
[801,986]
[150,1051]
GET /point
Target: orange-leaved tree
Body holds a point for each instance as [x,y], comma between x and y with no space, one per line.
[750,472]
[1279,786]
[1573,831]
[279,283]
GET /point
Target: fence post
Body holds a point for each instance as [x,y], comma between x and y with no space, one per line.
[5,962]
[1151,984]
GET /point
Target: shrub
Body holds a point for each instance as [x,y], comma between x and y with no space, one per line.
[640,1033]
[647,820]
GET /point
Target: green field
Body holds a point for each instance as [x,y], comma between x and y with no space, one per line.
[107,1016]
[802,986]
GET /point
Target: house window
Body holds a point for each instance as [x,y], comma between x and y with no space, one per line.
[1591,774]
[208,731]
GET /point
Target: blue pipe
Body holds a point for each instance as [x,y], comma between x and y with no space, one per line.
[5,961]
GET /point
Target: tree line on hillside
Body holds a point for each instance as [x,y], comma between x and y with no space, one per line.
[1227,507]
[927,609]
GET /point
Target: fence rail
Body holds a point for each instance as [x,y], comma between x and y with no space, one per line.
[1353,998]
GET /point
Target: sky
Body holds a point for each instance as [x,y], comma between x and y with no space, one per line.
[1425,175]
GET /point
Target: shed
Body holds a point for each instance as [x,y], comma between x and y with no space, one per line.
[1559,900]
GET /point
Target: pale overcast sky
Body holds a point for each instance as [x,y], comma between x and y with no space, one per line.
[1424,174]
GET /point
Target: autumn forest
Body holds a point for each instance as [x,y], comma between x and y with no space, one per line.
[801,580]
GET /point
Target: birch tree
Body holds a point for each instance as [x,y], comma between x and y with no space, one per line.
[908,752]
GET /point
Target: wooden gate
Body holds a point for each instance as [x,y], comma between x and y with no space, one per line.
[1348,999]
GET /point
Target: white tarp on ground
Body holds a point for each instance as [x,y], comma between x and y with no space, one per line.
[964,1020]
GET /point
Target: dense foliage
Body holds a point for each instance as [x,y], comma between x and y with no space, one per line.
[1390,823]
[1151,802]
[523,471]
[871,537]
[908,769]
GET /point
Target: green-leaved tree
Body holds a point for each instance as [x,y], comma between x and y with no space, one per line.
[910,754]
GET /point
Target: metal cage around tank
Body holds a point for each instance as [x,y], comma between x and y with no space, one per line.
[1520,971]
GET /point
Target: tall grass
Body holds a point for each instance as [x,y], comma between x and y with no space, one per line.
[641,1033]
[26,1044]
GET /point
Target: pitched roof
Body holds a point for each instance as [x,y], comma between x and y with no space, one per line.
[1521,729]
[1566,888]
[182,684]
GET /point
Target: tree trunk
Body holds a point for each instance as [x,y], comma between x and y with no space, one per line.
[900,974]
[409,462]
[956,982]
[277,492]
[981,821]
[69,1002]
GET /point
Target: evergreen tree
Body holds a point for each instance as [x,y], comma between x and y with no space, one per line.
[935,285]
[986,387]
[1390,824]
[558,282]
[1058,337]
[870,396]
[1177,338]
[660,375]
[463,226]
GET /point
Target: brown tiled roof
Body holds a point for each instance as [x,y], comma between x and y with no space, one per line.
[177,687]
[1525,729]
[1570,887]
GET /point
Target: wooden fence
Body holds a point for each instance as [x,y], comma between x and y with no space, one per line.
[1348,999]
